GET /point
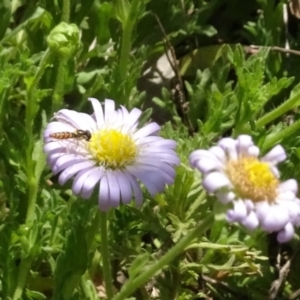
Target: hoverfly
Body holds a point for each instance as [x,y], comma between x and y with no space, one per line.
[78,134]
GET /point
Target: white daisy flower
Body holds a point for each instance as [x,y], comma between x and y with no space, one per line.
[108,151]
[233,171]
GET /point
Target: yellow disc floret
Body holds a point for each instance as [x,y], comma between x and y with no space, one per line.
[112,148]
[252,179]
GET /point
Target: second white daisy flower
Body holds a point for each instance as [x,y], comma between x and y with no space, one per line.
[233,171]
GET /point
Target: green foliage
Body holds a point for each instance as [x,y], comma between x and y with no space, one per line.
[56,54]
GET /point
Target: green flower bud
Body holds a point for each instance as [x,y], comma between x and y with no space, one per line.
[64,39]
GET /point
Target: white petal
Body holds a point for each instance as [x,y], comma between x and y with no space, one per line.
[98,111]
[132,120]
[238,213]
[215,181]
[253,151]
[219,153]
[196,155]
[286,233]
[275,156]
[275,219]
[251,221]
[109,109]
[225,197]
[206,165]
[290,185]
[229,146]
[243,143]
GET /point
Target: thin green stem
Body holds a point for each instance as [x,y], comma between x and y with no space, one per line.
[125,49]
[279,111]
[105,256]
[132,284]
[126,39]
[23,271]
[94,228]
[279,136]
[31,99]
[65,16]
[59,83]
[29,118]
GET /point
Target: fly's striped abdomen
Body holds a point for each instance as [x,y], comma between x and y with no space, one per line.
[78,134]
[63,135]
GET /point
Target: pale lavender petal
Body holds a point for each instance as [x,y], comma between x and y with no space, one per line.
[90,123]
[251,221]
[55,126]
[156,141]
[114,189]
[215,181]
[66,161]
[70,117]
[125,187]
[69,172]
[275,156]
[54,147]
[104,196]
[79,180]
[147,130]
[138,195]
[91,182]
[52,158]
[286,234]
[168,156]
[98,111]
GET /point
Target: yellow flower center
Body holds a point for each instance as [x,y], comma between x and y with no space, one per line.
[252,179]
[112,148]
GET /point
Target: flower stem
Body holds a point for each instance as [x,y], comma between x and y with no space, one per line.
[279,136]
[59,83]
[132,284]
[126,40]
[23,270]
[30,114]
[31,99]
[279,111]
[105,256]
[65,16]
